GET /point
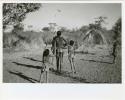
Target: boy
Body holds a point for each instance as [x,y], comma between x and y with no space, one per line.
[45,61]
[71,54]
[58,44]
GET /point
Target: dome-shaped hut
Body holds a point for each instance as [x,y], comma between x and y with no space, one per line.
[94,38]
[94,42]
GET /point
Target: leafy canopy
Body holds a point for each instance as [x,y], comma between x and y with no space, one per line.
[14,13]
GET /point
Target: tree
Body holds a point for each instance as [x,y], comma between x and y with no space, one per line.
[46,29]
[14,13]
[18,28]
[52,27]
[98,23]
[117,30]
[117,38]
[83,30]
[64,29]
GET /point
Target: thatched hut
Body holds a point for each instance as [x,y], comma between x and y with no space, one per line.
[94,41]
[94,37]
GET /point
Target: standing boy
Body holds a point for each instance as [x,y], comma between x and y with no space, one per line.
[71,54]
[58,44]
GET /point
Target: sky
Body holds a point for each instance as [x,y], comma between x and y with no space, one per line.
[72,15]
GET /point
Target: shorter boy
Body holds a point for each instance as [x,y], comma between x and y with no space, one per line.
[45,65]
[71,55]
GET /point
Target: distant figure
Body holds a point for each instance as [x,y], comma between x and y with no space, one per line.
[58,44]
[71,54]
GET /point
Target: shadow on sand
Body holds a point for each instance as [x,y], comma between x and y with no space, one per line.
[23,76]
[32,59]
[98,61]
[75,77]
[29,66]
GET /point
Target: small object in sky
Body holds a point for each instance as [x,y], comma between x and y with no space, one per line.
[58,10]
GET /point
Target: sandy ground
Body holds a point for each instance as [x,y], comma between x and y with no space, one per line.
[25,67]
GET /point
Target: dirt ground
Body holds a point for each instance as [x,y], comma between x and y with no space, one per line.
[25,67]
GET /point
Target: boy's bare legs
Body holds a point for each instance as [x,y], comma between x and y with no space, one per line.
[73,65]
[61,60]
[60,64]
[57,63]
[70,60]
[52,60]
[46,76]
[43,70]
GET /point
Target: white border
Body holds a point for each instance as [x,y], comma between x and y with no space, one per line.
[1,43]
[58,1]
[26,91]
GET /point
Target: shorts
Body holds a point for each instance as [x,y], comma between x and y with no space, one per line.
[59,52]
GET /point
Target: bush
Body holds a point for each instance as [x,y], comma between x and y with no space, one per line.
[47,37]
[25,40]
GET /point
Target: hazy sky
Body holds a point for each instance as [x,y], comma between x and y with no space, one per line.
[72,15]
